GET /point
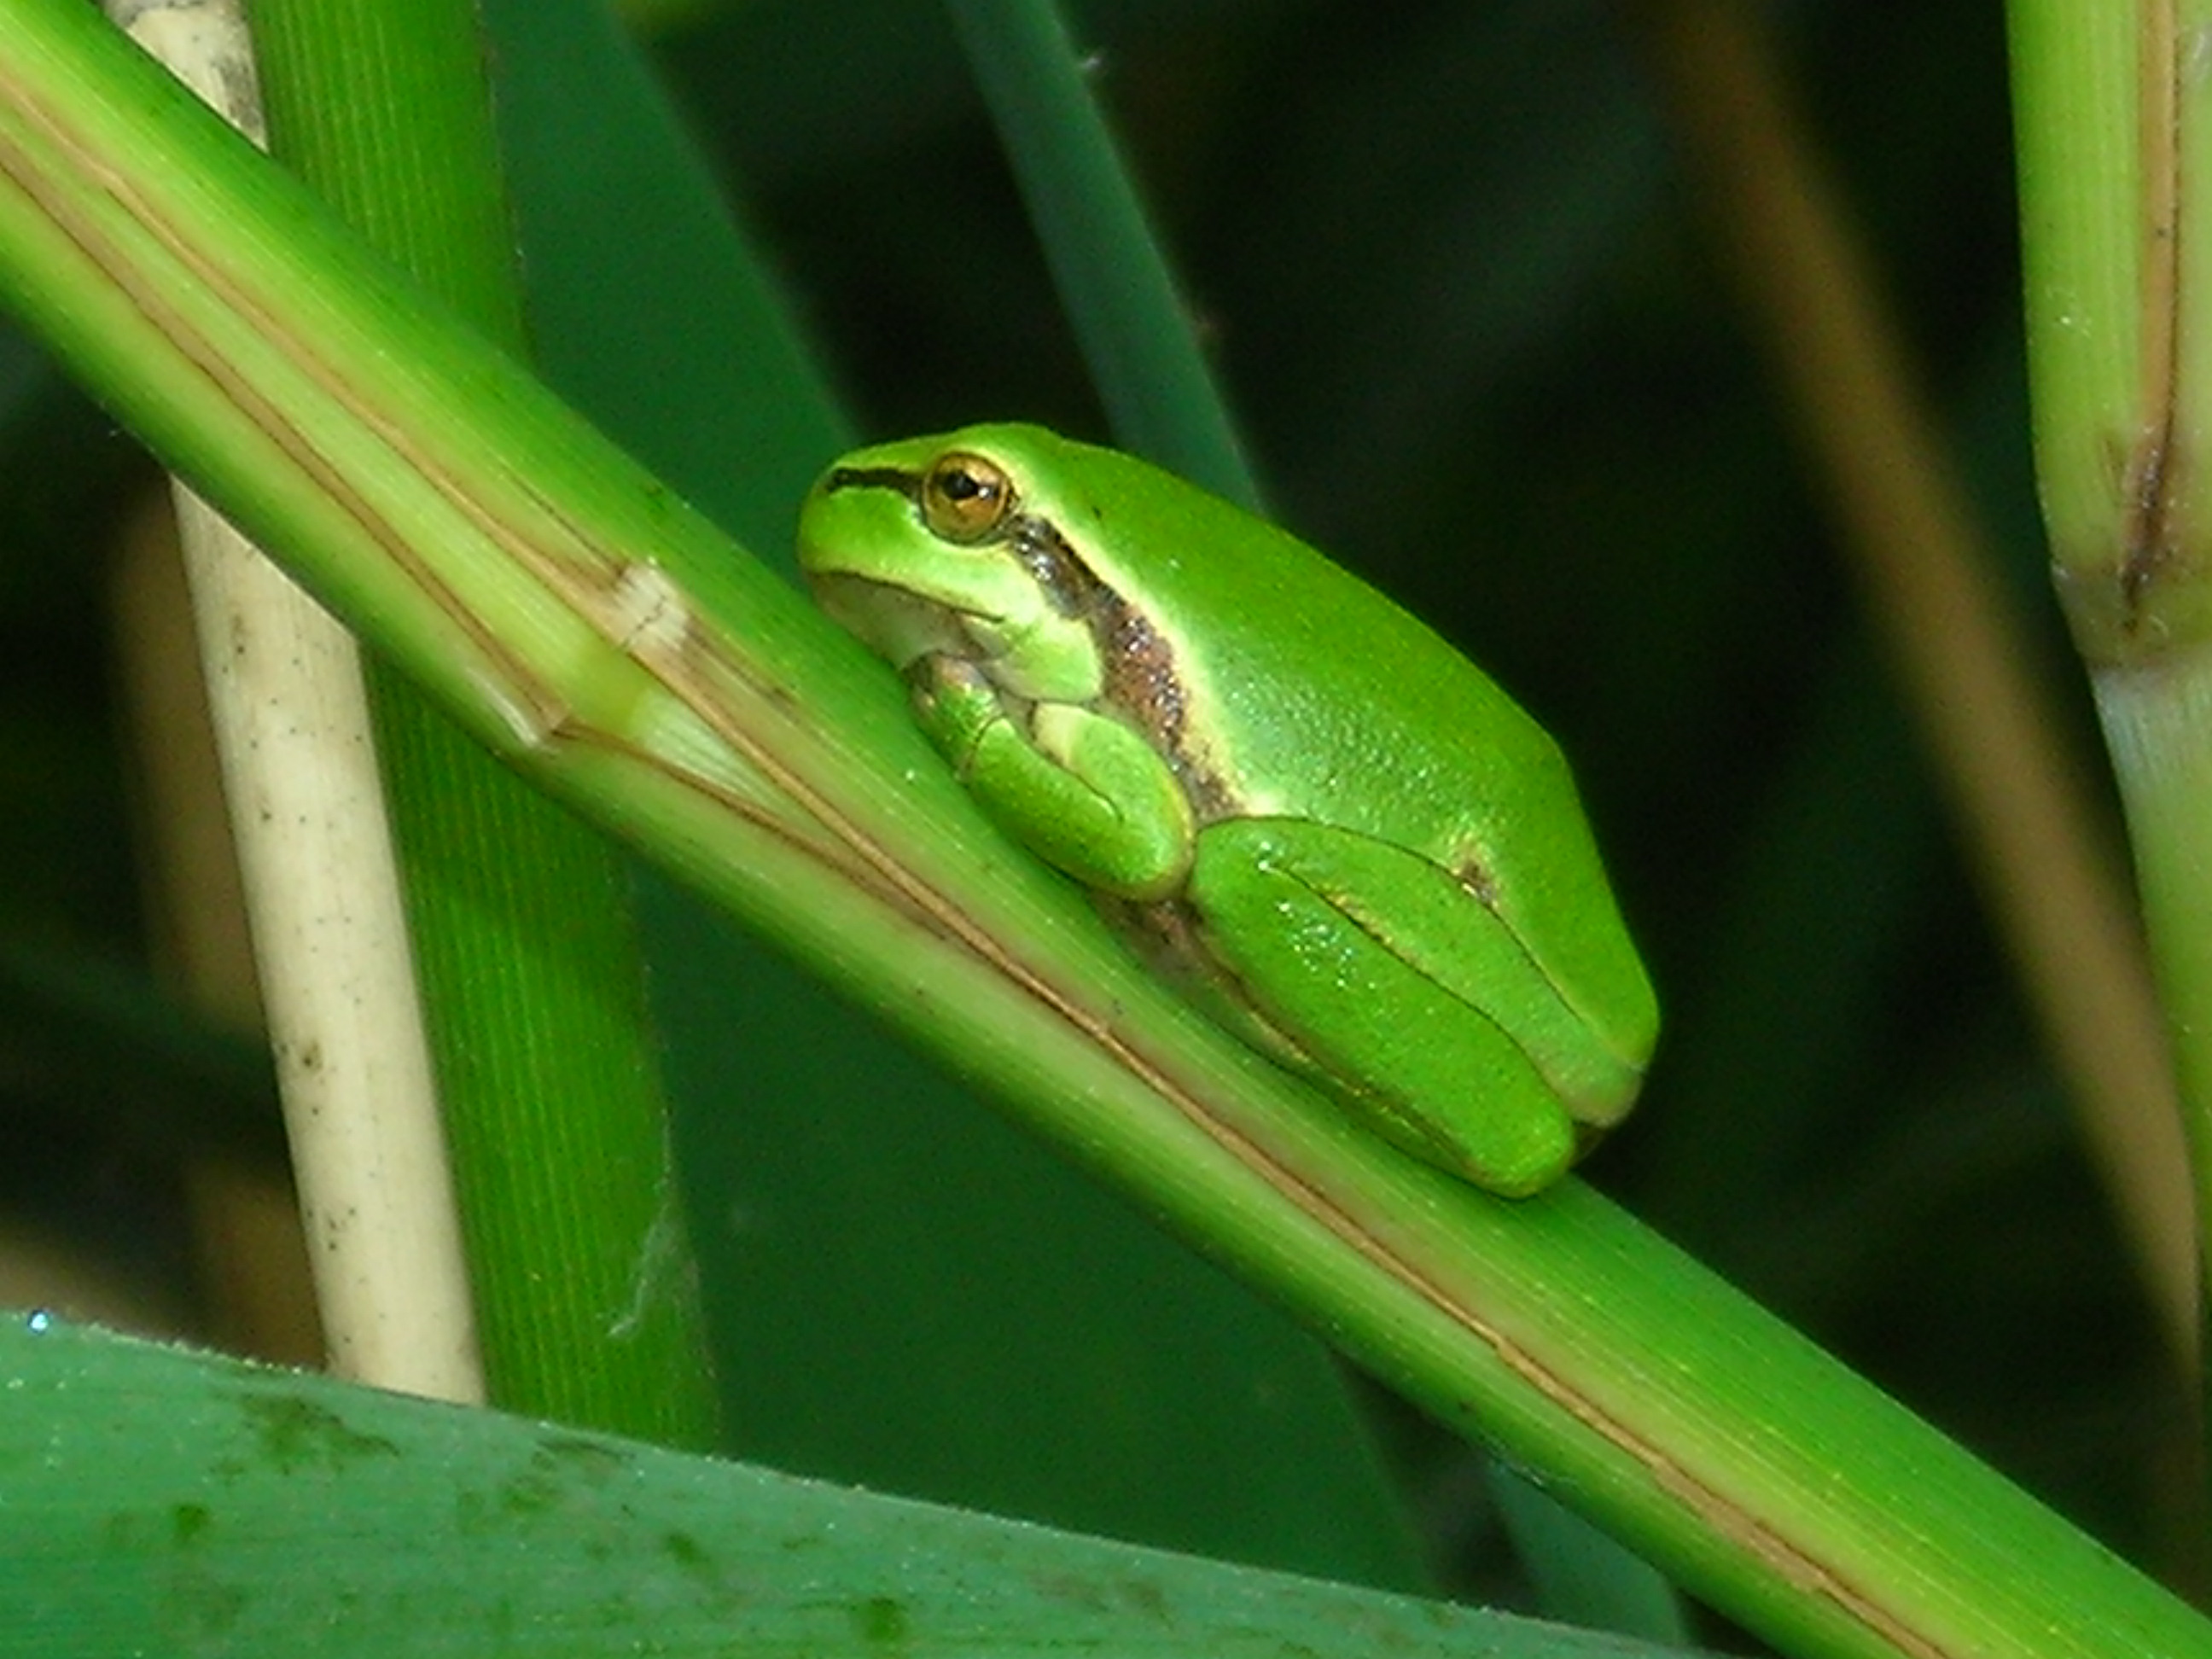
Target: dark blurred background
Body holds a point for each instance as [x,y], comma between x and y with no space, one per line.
[1468,309]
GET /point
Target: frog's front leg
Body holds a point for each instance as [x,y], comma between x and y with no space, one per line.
[1080,789]
[1405,994]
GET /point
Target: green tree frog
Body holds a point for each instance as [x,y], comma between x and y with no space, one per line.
[1333,831]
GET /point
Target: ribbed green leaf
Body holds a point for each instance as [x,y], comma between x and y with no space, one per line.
[168,1503]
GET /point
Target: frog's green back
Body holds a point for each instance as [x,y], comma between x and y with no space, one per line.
[1320,686]
[1319,697]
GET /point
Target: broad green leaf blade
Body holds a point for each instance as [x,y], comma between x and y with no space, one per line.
[164,1501]
[1058,1358]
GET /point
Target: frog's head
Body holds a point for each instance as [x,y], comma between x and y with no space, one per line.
[929,548]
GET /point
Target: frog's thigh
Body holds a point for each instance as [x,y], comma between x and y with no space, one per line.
[1401,985]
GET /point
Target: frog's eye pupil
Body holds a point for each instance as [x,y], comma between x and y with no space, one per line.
[964,497]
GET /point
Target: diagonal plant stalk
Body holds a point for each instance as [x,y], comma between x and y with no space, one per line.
[586,625]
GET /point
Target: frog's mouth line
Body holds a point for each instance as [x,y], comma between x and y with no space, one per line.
[896,622]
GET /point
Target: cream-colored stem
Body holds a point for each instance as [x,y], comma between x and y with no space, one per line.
[323,897]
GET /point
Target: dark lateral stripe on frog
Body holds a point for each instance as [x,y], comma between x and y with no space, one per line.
[1142,684]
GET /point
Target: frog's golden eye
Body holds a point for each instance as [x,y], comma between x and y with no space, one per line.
[965,498]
